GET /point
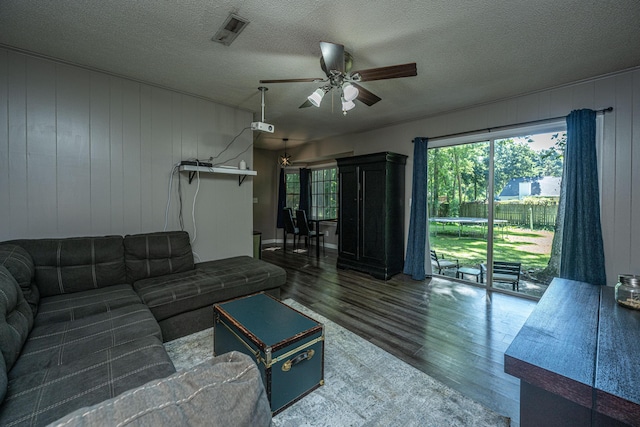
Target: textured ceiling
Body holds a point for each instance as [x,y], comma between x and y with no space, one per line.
[467,52]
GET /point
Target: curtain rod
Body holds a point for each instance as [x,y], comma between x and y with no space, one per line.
[532,122]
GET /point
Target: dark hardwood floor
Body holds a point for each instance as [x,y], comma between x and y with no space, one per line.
[456,333]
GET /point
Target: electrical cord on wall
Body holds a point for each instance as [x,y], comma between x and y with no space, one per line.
[193,209]
[166,211]
[211,159]
[175,169]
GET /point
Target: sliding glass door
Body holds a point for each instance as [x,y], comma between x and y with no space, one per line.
[457,185]
[492,210]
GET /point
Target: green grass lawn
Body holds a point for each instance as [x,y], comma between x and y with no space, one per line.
[531,248]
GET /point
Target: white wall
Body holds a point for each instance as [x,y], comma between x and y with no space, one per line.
[86,153]
[619,153]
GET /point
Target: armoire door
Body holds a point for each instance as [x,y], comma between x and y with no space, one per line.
[349,212]
[372,215]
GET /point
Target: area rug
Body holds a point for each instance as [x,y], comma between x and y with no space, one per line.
[364,386]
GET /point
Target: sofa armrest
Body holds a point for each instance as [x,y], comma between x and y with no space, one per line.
[222,391]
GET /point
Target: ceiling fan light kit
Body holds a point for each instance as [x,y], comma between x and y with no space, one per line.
[336,64]
[316,97]
[347,105]
[349,91]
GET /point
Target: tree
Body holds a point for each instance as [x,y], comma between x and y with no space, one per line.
[549,162]
[512,160]
[553,267]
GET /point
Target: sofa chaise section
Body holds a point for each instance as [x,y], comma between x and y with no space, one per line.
[183,302]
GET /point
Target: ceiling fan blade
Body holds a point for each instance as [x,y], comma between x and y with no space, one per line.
[365,96]
[333,56]
[391,72]
[310,80]
[306,104]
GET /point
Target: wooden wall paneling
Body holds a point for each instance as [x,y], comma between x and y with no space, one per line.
[496,114]
[161,153]
[73,101]
[189,150]
[116,154]
[623,168]
[469,118]
[100,154]
[176,138]
[512,111]
[216,191]
[146,158]
[17,225]
[42,194]
[634,268]
[528,108]
[131,148]
[245,196]
[605,90]
[194,127]
[560,101]
[5,211]
[583,96]
[189,133]
[544,104]
[208,141]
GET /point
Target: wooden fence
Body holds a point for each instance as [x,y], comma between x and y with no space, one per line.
[517,214]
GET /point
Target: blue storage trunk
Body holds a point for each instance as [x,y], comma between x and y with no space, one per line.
[287,345]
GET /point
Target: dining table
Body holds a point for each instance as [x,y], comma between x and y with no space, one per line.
[316,226]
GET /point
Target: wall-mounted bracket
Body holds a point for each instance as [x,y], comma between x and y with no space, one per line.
[242,173]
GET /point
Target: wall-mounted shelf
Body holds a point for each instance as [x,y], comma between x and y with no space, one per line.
[242,173]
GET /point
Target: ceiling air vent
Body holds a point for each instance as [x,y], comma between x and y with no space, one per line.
[230,29]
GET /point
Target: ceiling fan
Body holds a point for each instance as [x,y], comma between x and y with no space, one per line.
[336,64]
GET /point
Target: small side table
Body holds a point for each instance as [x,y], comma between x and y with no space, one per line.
[470,272]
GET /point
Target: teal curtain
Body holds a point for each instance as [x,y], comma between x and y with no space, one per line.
[418,239]
[582,256]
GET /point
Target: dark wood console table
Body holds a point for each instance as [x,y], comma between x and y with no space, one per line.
[578,359]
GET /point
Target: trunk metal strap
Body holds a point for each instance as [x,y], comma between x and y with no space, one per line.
[256,353]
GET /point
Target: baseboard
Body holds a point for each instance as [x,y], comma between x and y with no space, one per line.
[279,242]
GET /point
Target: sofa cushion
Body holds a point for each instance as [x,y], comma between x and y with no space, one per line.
[43,396]
[19,263]
[76,264]
[224,391]
[156,254]
[61,343]
[4,380]
[208,283]
[63,308]
[16,318]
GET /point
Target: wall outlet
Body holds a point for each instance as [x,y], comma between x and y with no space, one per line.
[255,200]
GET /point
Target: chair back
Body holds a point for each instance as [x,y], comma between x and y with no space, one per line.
[507,268]
[434,258]
[289,225]
[303,224]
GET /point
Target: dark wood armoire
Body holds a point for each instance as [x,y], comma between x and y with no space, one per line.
[371,213]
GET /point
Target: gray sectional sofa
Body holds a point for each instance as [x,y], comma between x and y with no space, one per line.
[82,320]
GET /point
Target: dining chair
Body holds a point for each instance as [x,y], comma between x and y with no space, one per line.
[303,226]
[290,227]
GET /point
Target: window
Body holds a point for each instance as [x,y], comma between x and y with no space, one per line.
[324,193]
[292,181]
[496,201]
